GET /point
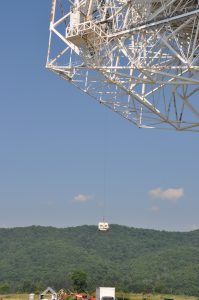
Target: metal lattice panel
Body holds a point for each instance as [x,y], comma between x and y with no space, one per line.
[139,58]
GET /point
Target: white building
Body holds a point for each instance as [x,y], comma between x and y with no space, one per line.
[48,294]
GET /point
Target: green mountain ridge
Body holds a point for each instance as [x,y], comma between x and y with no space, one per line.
[138,260]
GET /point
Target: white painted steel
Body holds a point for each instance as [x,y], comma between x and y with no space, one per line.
[140,58]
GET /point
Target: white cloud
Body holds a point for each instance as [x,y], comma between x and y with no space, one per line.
[194,227]
[171,194]
[82,198]
[155,208]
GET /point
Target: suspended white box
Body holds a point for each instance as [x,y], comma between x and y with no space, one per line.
[103,226]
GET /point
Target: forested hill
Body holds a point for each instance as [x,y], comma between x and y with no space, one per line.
[127,258]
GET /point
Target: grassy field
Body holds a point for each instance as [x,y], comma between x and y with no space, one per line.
[17,297]
[130,296]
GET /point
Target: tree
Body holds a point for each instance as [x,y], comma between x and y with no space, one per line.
[4,288]
[79,279]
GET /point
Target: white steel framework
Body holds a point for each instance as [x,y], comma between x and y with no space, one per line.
[140,58]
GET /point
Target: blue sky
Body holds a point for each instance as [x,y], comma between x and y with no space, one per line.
[63,156]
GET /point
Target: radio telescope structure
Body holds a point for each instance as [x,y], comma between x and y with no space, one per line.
[140,58]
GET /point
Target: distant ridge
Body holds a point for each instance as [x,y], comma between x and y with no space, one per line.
[139,260]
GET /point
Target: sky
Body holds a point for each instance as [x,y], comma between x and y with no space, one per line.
[66,161]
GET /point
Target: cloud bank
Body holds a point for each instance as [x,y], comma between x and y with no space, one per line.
[82,198]
[170,194]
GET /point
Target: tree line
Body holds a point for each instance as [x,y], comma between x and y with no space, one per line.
[133,260]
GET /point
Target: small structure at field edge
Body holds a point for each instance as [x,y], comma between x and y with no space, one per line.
[31,297]
[48,294]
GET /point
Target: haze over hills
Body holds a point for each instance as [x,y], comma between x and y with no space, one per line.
[131,259]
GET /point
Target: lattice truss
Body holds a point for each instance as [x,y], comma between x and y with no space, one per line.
[140,58]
